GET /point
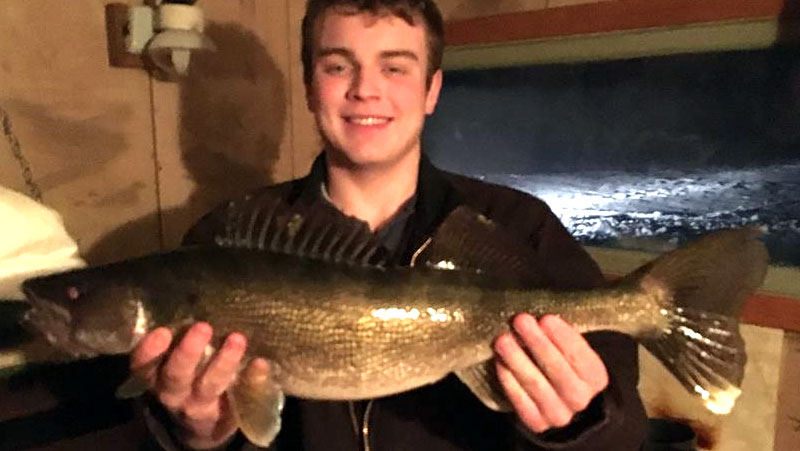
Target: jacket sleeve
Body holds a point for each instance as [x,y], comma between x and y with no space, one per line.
[615,419]
[164,431]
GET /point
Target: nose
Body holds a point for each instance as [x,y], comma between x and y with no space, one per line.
[366,85]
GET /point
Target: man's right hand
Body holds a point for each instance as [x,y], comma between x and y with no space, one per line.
[193,394]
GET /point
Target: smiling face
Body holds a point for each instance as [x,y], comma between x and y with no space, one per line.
[369,93]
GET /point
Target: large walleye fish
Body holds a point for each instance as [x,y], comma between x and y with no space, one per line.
[315,298]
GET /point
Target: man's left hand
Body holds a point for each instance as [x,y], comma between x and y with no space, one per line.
[548,371]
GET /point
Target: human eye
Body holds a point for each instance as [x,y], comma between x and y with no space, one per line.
[395,69]
[335,67]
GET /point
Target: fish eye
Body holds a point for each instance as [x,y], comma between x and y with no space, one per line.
[73,293]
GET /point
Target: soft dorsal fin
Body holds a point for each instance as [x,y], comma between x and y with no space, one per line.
[469,241]
[267,222]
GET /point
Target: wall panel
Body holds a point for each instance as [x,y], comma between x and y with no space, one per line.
[225,128]
[306,141]
[82,127]
[463,9]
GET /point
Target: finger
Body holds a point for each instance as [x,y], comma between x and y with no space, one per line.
[533,381]
[227,423]
[222,369]
[180,369]
[149,352]
[526,409]
[576,350]
[200,418]
[198,425]
[570,388]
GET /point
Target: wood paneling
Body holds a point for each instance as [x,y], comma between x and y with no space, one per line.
[225,128]
[82,127]
[769,310]
[560,3]
[787,423]
[609,16]
[465,9]
[306,143]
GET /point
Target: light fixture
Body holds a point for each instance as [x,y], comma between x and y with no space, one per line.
[160,38]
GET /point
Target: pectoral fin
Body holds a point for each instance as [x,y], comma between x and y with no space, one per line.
[134,386]
[257,402]
[137,385]
[482,381]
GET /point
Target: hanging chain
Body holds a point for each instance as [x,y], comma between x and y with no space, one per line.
[16,150]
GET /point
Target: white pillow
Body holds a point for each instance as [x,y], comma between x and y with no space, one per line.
[33,242]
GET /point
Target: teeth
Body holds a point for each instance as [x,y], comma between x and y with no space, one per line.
[368,120]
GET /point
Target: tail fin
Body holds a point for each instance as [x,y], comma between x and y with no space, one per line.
[706,284]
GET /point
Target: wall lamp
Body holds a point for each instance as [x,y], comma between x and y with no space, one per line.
[160,36]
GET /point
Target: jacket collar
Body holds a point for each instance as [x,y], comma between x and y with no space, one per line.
[308,189]
[436,198]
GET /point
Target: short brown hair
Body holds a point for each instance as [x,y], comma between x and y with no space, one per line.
[407,10]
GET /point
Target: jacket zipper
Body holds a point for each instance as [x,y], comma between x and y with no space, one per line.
[361,431]
[419,251]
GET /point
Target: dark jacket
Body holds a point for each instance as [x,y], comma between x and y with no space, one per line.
[446,416]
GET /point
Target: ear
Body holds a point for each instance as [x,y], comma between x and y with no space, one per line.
[433,92]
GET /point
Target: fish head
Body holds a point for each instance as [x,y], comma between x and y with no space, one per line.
[86,312]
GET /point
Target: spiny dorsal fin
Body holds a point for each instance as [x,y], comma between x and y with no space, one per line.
[266,222]
[469,241]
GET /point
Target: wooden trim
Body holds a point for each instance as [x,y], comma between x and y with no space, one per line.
[772,310]
[698,38]
[116,22]
[610,16]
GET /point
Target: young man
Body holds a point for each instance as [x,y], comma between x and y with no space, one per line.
[372,75]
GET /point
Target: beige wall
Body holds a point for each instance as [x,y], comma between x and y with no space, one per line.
[130,161]
[83,128]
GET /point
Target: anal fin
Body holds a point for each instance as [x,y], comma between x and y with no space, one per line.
[482,381]
[257,401]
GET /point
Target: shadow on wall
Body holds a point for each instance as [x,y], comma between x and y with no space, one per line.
[233,109]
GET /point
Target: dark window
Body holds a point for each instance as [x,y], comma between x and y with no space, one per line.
[640,153]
